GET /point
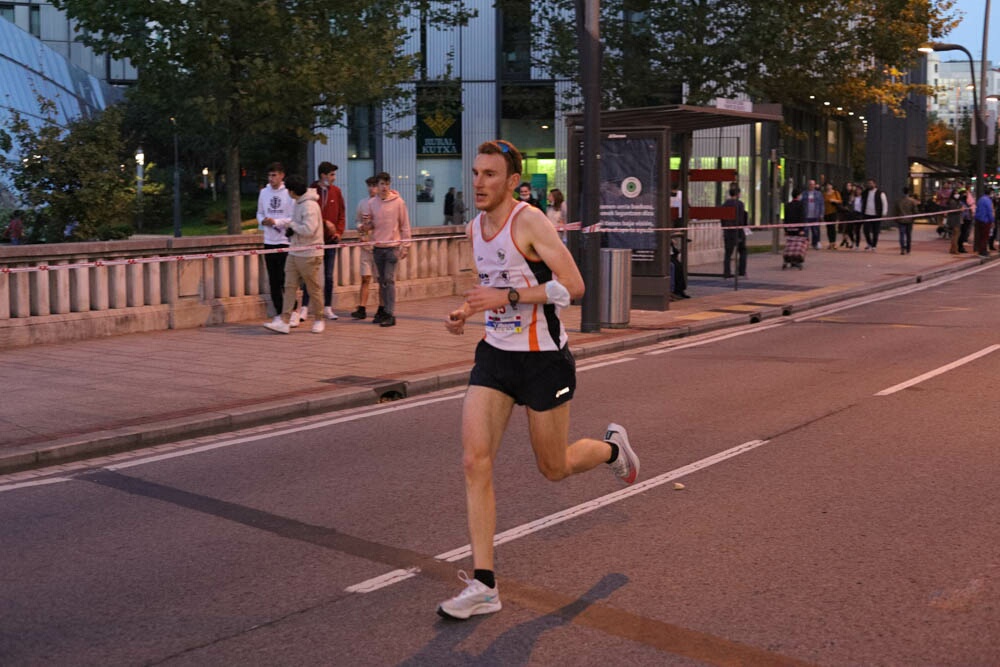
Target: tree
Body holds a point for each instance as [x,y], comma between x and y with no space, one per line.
[73,179]
[848,52]
[232,69]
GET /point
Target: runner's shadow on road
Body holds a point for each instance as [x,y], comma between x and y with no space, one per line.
[514,646]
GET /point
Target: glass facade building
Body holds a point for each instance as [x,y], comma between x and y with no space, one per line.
[29,69]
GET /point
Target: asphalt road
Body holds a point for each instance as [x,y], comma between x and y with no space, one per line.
[832,514]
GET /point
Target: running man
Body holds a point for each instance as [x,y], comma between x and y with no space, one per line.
[526,276]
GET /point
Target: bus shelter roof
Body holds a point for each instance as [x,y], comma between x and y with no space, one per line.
[682,118]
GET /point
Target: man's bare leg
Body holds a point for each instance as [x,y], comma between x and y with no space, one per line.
[549,432]
[484,419]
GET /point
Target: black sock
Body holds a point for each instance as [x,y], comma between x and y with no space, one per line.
[485,576]
[614,452]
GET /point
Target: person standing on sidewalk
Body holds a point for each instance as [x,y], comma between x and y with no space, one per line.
[832,202]
[906,208]
[985,218]
[874,205]
[391,234]
[331,203]
[734,235]
[366,259]
[954,220]
[526,276]
[812,201]
[274,214]
[305,256]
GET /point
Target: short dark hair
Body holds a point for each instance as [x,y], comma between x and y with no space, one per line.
[734,190]
[796,192]
[371,181]
[383,176]
[509,151]
[276,166]
[326,168]
[296,185]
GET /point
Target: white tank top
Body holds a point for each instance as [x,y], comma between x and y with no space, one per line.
[531,327]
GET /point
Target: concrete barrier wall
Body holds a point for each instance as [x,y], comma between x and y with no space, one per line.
[78,302]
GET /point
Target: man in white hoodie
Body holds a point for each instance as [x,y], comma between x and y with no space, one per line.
[305,256]
[274,213]
[391,234]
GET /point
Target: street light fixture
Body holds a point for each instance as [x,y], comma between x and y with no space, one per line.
[140,161]
[979,124]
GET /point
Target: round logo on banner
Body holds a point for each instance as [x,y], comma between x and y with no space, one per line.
[631,187]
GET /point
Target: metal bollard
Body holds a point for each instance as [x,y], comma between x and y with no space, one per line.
[616,287]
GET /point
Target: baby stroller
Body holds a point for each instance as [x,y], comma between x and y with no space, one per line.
[796,244]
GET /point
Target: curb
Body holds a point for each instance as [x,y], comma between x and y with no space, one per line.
[111,441]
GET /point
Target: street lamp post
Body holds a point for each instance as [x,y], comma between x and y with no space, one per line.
[140,161]
[177,184]
[976,117]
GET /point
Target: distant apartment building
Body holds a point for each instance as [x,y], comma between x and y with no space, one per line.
[952,83]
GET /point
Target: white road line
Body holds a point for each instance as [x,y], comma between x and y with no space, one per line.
[518,532]
[823,311]
[938,371]
[36,482]
[394,407]
[683,344]
[602,364]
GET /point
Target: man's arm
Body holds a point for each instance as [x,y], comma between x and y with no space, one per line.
[340,220]
[533,231]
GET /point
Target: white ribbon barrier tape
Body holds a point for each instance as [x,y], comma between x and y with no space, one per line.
[591,229]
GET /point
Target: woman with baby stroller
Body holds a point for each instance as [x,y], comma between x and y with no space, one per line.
[796,238]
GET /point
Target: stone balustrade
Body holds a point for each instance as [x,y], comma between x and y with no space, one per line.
[705,245]
[143,293]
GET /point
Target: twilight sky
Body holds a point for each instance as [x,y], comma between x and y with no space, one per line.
[969,33]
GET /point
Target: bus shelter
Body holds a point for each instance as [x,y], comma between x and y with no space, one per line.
[636,181]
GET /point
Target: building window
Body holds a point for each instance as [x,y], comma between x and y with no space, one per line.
[35,21]
[515,46]
[7,12]
[361,133]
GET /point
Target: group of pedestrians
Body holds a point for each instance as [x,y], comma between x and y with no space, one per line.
[305,225]
[861,209]
[966,216]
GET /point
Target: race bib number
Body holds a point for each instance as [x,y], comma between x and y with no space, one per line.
[503,320]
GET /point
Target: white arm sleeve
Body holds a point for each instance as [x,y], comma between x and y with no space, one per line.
[556,293]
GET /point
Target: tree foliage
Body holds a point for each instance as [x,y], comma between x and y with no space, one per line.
[73,180]
[232,69]
[848,52]
[940,133]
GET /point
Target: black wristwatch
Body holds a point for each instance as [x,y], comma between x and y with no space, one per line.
[513,296]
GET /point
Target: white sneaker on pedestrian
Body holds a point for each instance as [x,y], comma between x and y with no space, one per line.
[477,598]
[329,314]
[278,325]
[293,321]
[318,326]
[304,313]
[626,466]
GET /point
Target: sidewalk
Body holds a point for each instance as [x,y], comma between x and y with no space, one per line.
[77,399]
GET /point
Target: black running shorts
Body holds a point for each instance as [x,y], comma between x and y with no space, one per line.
[539,380]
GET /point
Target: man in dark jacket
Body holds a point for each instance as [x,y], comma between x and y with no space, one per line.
[734,236]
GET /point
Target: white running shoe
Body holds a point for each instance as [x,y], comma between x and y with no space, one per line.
[626,466]
[477,598]
[293,321]
[329,314]
[318,326]
[304,313]
[278,325]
